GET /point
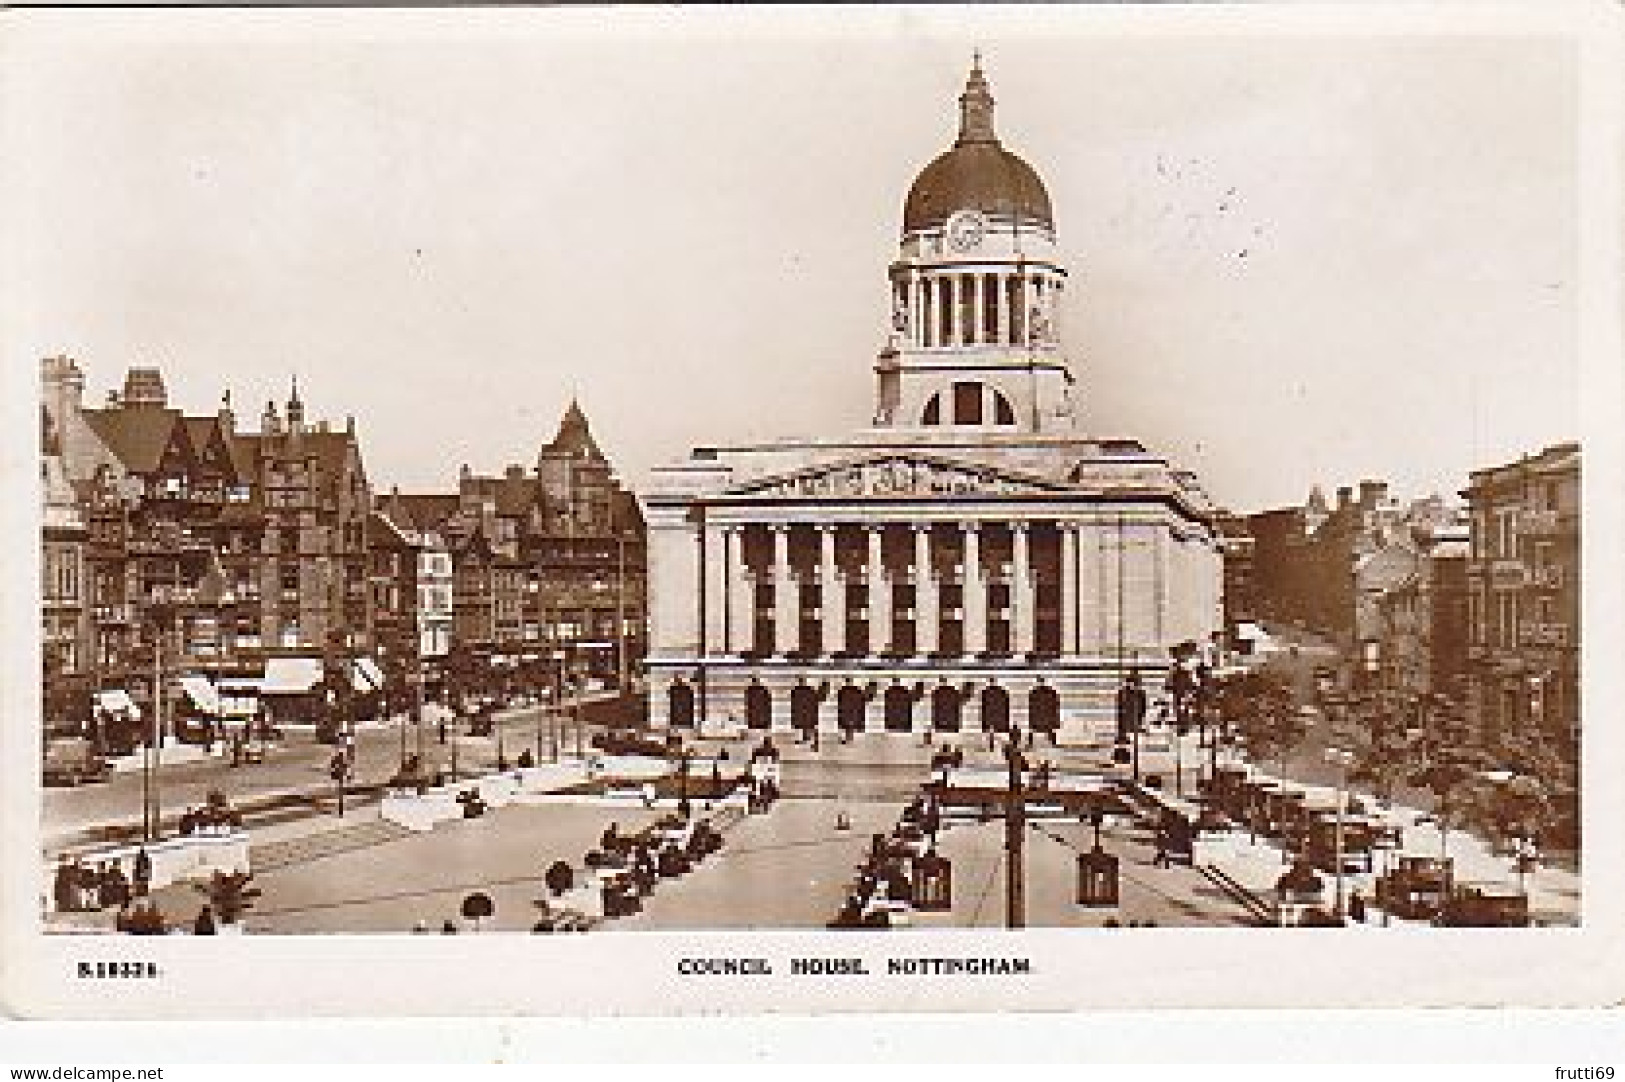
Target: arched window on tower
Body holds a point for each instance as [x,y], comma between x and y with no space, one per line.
[933,411]
[945,312]
[967,403]
[1002,413]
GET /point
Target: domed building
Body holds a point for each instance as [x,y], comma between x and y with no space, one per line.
[971,560]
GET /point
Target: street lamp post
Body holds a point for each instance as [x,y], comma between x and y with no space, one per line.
[149,776]
[417,696]
[683,807]
[1179,758]
[1015,900]
[575,717]
[1342,760]
[456,718]
[152,754]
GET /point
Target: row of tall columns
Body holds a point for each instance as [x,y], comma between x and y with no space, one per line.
[923,298]
[737,592]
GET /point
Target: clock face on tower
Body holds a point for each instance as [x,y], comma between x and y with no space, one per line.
[965,230]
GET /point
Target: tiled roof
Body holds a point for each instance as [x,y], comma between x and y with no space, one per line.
[381,530]
[627,515]
[136,435]
[574,436]
[419,511]
[330,450]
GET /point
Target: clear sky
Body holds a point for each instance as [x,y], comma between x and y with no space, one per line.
[1296,257]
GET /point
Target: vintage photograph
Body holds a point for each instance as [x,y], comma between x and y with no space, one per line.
[571,473]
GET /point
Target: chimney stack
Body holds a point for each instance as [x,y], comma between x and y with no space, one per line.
[145,387]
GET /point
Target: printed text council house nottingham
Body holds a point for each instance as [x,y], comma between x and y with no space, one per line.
[857,967]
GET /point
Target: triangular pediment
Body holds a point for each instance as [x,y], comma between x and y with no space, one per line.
[904,475]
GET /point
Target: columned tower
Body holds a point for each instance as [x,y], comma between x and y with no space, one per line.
[975,292]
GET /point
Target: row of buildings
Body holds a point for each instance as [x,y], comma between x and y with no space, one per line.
[1477,601]
[257,572]
[970,559]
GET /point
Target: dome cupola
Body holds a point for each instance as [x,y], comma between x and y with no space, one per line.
[976,173]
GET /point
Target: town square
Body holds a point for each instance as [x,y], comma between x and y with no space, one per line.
[983,655]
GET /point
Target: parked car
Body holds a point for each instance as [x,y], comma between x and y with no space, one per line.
[71,760]
[625,742]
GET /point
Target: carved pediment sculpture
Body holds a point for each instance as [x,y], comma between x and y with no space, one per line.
[893,475]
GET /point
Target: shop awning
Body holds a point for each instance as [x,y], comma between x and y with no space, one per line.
[291,675]
[366,675]
[116,701]
[202,693]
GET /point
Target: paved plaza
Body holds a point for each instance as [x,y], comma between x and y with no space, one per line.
[788,867]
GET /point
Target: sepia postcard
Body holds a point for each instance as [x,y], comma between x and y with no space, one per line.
[661,511]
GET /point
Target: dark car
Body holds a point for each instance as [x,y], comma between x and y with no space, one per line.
[627,742]
[71,760]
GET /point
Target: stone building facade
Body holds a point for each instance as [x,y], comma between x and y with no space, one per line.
[66,651]
[1523,583]
[970,560]
[547,565]
[211,551]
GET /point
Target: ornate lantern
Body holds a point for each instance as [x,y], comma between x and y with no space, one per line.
[933,882]
[1097,869]
[1097,878]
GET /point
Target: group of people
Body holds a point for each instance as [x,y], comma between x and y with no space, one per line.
[644,858]
[1175,837]
[886,873]
[80,888]
[215,815]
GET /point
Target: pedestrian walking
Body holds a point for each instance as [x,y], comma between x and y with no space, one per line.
[1161,860]
[62,888]
[204,925]
[1357,907]
[143,872]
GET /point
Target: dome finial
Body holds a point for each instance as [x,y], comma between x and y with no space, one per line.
[976,106]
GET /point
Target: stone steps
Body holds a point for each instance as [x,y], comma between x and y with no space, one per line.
[302,850]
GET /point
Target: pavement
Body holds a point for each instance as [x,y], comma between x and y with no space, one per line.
[82,818]
[788,868]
